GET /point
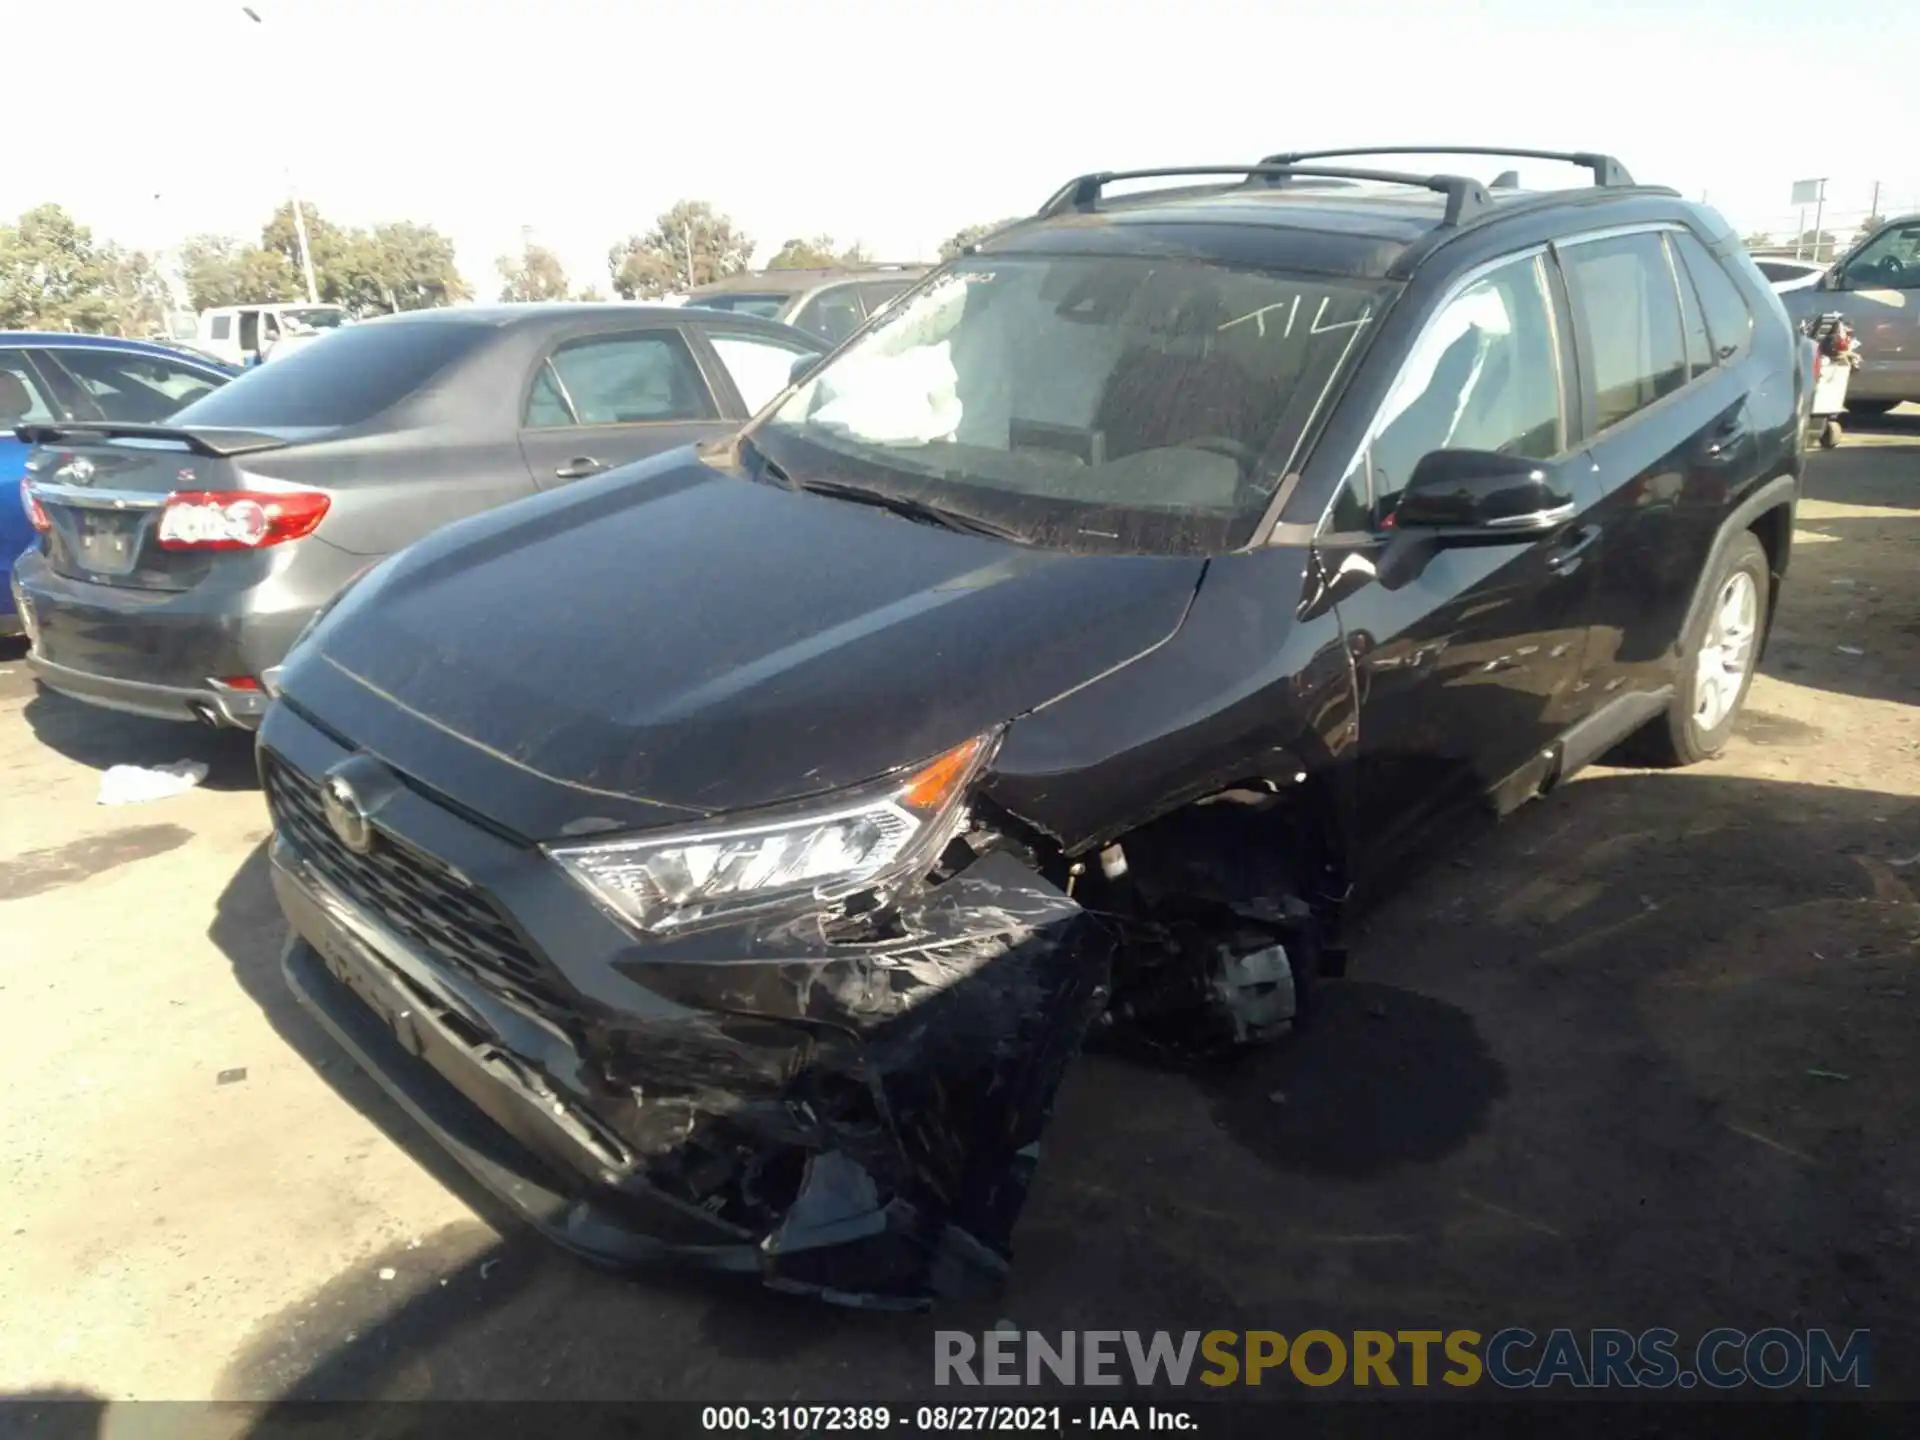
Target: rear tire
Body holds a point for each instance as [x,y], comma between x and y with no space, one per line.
[1716,664]
[1870,407]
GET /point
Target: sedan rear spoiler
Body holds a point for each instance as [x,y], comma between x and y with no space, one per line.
[217,443]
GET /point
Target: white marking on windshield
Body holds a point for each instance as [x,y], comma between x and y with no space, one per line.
[1292,307]
[1319,329]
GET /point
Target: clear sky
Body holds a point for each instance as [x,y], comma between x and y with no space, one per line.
[896,124]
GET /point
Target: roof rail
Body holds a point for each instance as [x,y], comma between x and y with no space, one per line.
[1466,197]
[1607,171]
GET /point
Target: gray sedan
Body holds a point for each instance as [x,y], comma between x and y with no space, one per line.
[176,564]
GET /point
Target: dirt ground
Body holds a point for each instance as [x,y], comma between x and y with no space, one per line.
[1642,1056]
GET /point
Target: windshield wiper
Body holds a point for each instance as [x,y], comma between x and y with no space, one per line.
[910,508]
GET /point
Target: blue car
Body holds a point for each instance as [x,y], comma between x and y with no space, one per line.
[46,377]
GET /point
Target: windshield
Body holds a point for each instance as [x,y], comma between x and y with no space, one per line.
[1136,404]
[342,379]
[767,307]
[316,317]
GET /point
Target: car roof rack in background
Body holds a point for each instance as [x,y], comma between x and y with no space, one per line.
[1466,197]
[1608,172]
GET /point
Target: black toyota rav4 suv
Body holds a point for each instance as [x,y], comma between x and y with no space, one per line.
[726,857]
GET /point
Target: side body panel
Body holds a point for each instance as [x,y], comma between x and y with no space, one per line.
[1672,475]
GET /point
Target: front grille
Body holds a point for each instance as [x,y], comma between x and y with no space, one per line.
[410,893]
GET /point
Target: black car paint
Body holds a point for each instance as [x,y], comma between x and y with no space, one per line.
[753,705]
[814,1056]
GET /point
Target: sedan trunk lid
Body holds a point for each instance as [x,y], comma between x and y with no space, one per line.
[104,490]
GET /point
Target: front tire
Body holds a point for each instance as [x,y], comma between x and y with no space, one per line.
[1717,663]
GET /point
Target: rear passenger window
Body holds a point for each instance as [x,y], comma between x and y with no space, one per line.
[832,314]
[632,379]
[1625,303]
[546,406]
[1729,320]
[22,400]
[759,368]
[1699,345]
[1484,375]
[134,388]
[880,294]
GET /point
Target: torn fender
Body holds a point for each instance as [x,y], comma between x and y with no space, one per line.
[929,1072]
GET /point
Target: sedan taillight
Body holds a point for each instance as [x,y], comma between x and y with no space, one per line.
[239,519]
[36,517]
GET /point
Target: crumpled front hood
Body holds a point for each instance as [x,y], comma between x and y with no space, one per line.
[677,636]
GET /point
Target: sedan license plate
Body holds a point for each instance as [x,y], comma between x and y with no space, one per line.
[109,542]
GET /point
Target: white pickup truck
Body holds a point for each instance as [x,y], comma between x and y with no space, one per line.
[249,334]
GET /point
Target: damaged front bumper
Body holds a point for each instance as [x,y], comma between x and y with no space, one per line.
[855,1119]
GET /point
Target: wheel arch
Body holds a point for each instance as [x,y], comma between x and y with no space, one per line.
[1766,514]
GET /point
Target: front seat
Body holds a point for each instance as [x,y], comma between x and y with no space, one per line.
[1158,397]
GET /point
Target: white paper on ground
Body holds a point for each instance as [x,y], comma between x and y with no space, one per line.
[134,784]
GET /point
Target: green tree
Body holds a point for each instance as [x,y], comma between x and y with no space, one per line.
[413,266]
[141,293]
[822,252]
[219,270]
[399,265]
[1758,240]
[536,274]
[972,235]
[1868,226]
[689,245]
[54,277]
[327,247]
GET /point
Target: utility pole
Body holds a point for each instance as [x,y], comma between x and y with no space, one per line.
[293,196]
[300,234]
[1873,210]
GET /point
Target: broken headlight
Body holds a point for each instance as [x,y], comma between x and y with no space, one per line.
[856,840]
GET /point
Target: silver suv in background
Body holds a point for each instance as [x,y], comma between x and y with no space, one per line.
[1876,285]
[829,304]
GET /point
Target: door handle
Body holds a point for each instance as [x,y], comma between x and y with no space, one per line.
[1567,550]
[1726,435]
[579,468]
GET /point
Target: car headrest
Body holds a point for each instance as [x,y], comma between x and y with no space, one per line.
[16,401]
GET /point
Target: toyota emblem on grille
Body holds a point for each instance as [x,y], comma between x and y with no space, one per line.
[346,815]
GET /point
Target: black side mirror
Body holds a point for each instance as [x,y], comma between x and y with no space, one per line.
[1478,494]
[803,367]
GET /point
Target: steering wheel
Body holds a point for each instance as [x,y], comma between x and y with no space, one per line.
[1890,270]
